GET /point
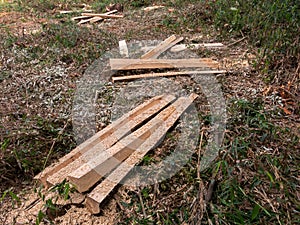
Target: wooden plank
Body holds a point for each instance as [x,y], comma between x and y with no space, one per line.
[163,46]
[128,121]
[80,17]
[182,47]
[123,48]
[96,19]
[75,11]
[103,15]
[131,64]
[110,138]
[168,74]
[100,192]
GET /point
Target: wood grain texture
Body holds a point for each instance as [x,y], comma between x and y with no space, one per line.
[168,74]
[162,47]
[100,192]
[131,64]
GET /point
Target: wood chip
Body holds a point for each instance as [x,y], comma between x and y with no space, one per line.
[123,49]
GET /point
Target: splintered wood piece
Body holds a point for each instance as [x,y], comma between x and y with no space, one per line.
[103,15]
[182,47]
[123,49]
[100,192]
[101,164]
[108,136]
[96,19]
[168,74]
[131,64]
[162,47]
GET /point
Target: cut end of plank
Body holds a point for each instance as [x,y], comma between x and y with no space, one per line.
[92,205]
[82,182]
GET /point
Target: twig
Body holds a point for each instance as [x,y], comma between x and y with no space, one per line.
[142,203]
[236,42]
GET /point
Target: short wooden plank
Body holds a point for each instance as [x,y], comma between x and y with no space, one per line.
[100,192]
[127,121]
[103,15]
[168,74]
[131,64]
[123,48]
[163,46]
[110,138]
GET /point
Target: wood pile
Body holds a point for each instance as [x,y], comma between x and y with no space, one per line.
[96,166]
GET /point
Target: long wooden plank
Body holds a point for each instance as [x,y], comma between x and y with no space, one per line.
[100,192]
[92,171]
[109,135]
[168,74]
[131,64]
[182,47]
[163,46]
[103,15]
[108,141]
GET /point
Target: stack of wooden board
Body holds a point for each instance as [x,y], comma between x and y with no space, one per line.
[110,154]
[96,17]
[150,61]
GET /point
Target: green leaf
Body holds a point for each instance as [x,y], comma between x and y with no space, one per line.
[255,211]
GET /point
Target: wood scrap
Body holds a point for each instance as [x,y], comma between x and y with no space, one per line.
[107,137]
[103,15]
[123,49]
[100,192]
[147,9]
[110,138]
[168,74]
[131,64]
[162,47]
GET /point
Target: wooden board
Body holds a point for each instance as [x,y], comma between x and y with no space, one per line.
[103,15]
[131,64]
[168,74]
[108,136]
[100,192]
[80,17]
[182,47]
[162,47]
